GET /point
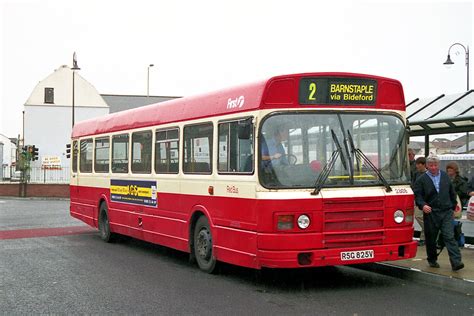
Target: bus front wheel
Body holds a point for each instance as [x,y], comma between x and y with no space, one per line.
[104,225]
[203,246]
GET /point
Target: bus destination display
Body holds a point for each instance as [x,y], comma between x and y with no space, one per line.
[342,91]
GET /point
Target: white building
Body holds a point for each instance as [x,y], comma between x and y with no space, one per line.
[7,156]
[48,112]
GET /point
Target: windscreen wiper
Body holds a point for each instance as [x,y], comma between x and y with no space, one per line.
[323,176]
[395,152]
[349,157]
[353,149]
[361,155]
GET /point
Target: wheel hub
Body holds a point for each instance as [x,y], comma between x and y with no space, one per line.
[204,244]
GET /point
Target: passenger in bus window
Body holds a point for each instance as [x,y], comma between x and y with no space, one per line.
[273,150]
[434,194]
[459,182]
[420,163]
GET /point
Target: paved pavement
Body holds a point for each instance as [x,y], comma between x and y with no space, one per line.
[420,263]
[417,269]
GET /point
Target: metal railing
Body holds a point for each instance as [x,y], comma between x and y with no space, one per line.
[37,175]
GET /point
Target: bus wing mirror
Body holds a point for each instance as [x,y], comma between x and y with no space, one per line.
[245,129]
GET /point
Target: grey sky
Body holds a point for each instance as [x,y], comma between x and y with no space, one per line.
[198,46]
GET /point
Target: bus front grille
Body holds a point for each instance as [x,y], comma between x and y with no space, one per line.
[353,223]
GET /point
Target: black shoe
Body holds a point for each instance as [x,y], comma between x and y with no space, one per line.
[421,243]
[435,264]
[458,266]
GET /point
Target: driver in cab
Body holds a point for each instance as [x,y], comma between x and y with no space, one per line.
[273,152]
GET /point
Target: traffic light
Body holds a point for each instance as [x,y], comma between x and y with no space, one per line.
[68,150]
[34,153]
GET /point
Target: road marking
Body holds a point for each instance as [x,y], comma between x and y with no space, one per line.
[45,232]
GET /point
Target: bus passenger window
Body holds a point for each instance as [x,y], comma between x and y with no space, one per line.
[141,152]
[101,158]
[85,158]
[120,153]
[235,154]
[167,151]
[198,149]
[74,156]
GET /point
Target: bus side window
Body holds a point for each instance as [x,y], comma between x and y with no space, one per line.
[85,156]
[120,153]
[167,151]
[235,153]
[198,148]
[101,157]
[141,152]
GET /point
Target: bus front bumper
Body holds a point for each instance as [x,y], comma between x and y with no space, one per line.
[337,256]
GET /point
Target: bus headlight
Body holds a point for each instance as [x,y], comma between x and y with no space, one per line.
[303,221]
[398,216]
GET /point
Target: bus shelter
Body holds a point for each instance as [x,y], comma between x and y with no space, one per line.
[444,114]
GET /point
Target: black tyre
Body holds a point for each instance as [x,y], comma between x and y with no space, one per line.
[104,225]
[202,246]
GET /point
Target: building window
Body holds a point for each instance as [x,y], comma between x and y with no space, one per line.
[120,153]
[102,149]
[49,95]
[85,158]
[235,147]
[198,148]
[167,151]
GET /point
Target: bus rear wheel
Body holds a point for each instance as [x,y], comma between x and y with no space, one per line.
[203,246]
[104,225]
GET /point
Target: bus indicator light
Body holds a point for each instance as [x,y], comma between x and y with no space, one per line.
[285,222]
[409,216]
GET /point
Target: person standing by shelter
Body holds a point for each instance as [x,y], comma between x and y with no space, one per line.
[470,188]
[434,194]
[459,182]
[420,164]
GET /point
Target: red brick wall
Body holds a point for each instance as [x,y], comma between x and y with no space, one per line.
[36,190]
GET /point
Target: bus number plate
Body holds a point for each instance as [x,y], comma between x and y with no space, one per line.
[357,255]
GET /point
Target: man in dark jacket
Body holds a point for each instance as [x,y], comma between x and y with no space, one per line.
[434,194]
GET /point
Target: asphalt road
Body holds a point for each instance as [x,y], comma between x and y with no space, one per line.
[75,272]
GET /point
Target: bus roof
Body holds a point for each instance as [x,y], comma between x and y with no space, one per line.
[285,91]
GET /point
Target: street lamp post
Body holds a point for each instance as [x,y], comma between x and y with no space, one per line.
[148,80]
[74,68]
[448,63]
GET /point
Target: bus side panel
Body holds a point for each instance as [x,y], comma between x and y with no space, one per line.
[236,246]
[167,224]
[82,207]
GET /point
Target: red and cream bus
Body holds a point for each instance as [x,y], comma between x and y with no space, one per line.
[295,171]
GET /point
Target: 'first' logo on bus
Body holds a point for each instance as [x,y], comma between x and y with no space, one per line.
[236,103]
